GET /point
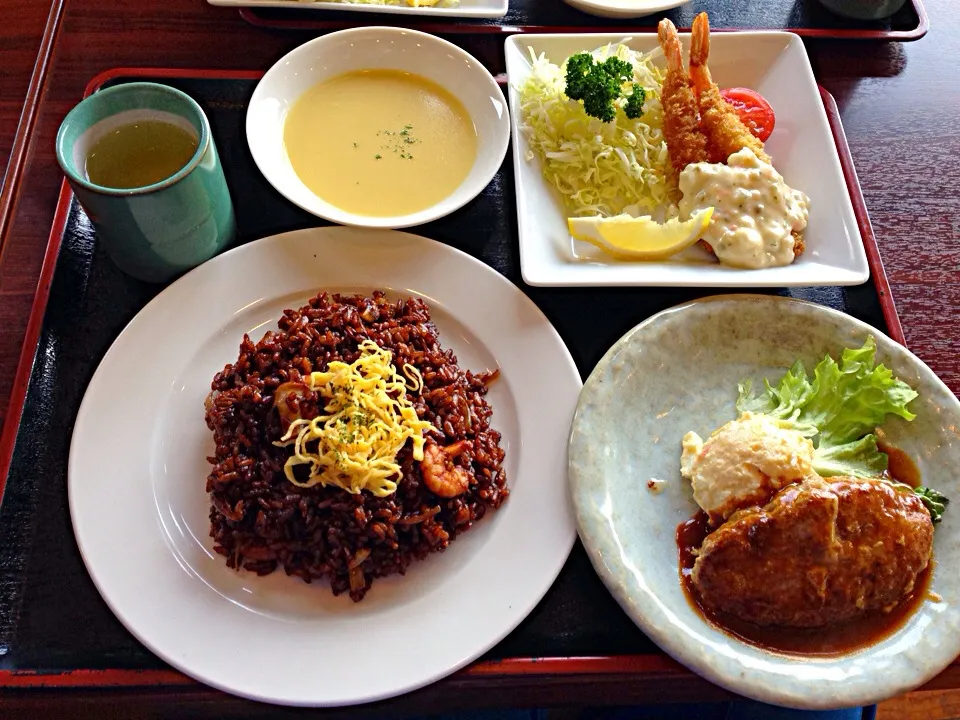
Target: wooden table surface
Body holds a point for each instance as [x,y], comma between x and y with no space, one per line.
[900,105]
[19,44]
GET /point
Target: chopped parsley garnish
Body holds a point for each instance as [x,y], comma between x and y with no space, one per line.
[398,141]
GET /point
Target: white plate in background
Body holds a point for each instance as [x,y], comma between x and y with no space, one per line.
[624,8]
[467,8]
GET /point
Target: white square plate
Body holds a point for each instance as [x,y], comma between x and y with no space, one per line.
[773,63]
[467,8]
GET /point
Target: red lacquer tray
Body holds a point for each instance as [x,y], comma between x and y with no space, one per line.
[59,641]
[803,17]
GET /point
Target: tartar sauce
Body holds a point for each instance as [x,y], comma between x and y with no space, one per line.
[755,211]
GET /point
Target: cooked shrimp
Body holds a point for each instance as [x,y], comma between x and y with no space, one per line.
[726,134]
[440,475]
[686,142]
[287,399]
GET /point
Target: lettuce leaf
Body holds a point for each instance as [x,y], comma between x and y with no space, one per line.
[843,404]
[858,457]
[784,401]
[854,398]
[841,407]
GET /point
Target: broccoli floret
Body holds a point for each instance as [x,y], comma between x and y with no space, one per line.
[633,108]
[598,103]
[617,68]
[597,85]
[578,67]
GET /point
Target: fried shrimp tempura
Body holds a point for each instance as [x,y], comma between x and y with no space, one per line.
[798,244]
[686,143]
[698,124]
[725,132]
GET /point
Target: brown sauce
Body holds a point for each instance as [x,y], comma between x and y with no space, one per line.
[831,640]
[690,536]
[901,466]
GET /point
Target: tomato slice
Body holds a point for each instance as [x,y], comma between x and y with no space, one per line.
[754,111]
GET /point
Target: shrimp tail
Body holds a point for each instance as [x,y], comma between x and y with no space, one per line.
[726,134]
[699,52]
[686,143]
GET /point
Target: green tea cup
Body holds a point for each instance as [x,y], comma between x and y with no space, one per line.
[158,231]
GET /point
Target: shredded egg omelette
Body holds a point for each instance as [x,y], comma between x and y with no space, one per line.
[367,419]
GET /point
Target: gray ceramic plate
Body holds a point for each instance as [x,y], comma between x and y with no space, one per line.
[678,371]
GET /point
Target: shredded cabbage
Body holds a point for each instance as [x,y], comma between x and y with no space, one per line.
[599,168]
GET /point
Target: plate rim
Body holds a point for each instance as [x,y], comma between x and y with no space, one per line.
[625,8]
[168,654]
[683,651]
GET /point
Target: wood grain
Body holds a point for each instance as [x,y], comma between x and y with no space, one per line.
[922,706]
[899,105]
[900,124]
[28,115]
[18,52]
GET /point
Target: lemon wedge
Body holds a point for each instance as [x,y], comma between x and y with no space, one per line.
[640,238]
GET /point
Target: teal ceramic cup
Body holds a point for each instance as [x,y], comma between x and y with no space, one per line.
[155,232]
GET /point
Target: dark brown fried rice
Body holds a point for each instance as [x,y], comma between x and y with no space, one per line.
[261,522]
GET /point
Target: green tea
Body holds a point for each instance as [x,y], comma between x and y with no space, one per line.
[139,154]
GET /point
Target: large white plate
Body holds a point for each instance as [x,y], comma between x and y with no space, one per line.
[467,8]
[678,371]
[802,147]
[137,471]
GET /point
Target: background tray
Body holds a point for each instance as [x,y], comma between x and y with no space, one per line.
[55,630]
[804,17]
